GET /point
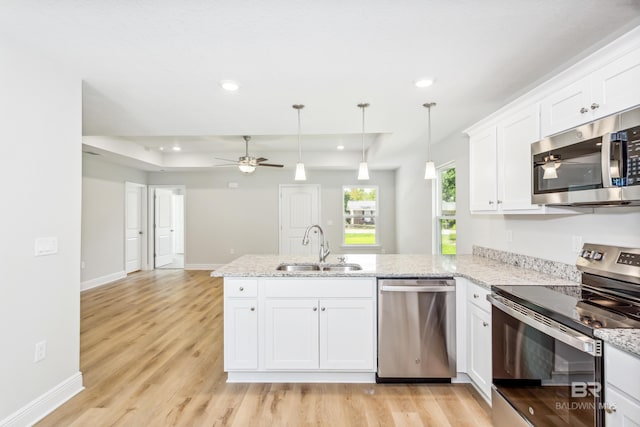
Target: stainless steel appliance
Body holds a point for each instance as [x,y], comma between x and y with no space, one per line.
[547,364]
[416,330]
[594,164]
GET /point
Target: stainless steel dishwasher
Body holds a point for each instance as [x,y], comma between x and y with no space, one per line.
[416,330]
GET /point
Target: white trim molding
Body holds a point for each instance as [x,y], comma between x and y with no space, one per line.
[103,280]
[42,406]
[202,266]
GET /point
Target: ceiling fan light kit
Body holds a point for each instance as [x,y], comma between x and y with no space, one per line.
[363,169]
[430,167]
[300,172]
[247,164]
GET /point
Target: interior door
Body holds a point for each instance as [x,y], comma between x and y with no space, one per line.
[299,208]
[164,233]
[133,227]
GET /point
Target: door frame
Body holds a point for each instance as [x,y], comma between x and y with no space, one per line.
[151,229]
[144,249]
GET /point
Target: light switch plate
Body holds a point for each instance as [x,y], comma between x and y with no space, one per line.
[46,246]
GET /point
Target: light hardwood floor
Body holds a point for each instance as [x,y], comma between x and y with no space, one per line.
[151,355]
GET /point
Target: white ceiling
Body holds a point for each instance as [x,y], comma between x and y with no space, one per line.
[151,69]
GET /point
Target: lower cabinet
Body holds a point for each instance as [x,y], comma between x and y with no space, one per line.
[240,334]
[479,338]
[479,346]
[305,334]
[622,388]
[291,326]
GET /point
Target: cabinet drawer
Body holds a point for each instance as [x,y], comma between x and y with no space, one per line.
[477,295]
[621,370]
[320,288]
[240,288]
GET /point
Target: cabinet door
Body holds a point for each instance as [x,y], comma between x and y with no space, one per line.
[479,347]
[566,108]
[616,86]
[347,334]
[515,136]
[625,412]
[291,334]
[240,334]
[482,170]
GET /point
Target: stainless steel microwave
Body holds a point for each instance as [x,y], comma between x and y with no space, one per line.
[597,164]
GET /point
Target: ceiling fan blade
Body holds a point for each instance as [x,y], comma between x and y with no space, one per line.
[270,165]
[235,165]
[226,160]
[261,159]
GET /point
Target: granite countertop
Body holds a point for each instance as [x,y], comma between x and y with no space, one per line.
[482,271]
[624,339]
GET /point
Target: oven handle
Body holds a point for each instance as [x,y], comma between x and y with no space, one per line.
[550,327]
[417,288]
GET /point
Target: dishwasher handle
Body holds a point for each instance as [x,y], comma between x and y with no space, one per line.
[436,288]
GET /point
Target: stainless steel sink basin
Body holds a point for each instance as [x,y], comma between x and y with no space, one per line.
[318,267]
[341,267]
[298,267]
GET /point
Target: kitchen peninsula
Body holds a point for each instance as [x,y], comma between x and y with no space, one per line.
[320,326]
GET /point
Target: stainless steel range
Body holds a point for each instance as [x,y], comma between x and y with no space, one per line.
[547,363]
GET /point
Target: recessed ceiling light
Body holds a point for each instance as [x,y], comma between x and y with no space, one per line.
[229,85]
[161,148]
[425,82]
[176,148]
[340,147]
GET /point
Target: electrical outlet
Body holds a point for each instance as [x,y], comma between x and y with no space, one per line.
[41,351]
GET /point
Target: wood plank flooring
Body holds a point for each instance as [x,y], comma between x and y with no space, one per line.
[151,355]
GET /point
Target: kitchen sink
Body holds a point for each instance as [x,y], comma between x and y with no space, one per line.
[341,267]
[298,267]
[318,267]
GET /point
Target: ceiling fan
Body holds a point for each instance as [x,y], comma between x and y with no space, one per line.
[247,163]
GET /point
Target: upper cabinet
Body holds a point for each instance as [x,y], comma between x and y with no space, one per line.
[499,164]
[608,90]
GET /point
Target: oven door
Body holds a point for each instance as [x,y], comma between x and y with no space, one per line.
[543,373]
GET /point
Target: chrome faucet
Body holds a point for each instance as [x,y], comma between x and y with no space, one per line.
[324,246]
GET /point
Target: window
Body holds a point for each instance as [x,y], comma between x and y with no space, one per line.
[360,215]
[446,231]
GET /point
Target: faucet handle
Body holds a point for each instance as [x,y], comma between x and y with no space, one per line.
[342,260]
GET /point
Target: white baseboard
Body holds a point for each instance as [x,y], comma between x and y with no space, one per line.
[39,408]
[202,266]
[99,281]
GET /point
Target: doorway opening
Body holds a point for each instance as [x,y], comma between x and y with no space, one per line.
[167,234]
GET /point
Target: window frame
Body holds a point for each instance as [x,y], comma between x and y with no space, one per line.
[437,211]
[345,216]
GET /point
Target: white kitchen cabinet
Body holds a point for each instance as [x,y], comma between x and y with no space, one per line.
[483,170]
[622,388]
[479,338]
[607,90]
[240,334]
[500,164]
[319,334]
[291,334]
[347,340]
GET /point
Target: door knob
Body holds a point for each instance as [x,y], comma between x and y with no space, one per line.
[595,106]
[315,308]
[490,202]
[323,309]
[584,110]
[485,324]
[139,232]
[253,309]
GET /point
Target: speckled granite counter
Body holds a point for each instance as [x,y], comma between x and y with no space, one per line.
[624,339]
[483,271]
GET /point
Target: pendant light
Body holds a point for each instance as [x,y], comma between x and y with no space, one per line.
[430,167]
[300,173]
[363,169]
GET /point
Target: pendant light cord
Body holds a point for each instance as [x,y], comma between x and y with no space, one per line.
[363,106]
[299,145]
[428,106]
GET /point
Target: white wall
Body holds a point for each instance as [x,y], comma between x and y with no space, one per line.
[245,219]
[40,111]
[414,197]
[103,196]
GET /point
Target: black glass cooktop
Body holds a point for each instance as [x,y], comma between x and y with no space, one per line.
[577,307]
